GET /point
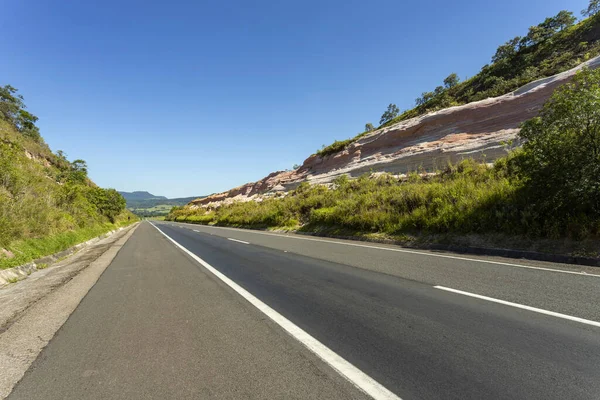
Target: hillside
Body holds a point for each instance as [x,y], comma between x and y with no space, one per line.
[518,170]
[145,204]
[456,122]
[47,203]
[136,196]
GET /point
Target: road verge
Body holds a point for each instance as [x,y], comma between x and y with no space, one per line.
[38,307]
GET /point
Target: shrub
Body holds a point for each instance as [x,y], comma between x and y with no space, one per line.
[560,161]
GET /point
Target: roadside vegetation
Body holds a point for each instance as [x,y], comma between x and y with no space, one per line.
[47,203]
[555,45]
[549,188]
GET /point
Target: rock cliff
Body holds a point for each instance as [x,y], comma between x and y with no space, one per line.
[478,130]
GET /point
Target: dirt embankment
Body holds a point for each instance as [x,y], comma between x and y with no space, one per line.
[479,130]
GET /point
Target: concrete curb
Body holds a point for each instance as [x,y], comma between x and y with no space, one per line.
[11,275]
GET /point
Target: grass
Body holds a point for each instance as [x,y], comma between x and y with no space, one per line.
[157,218]
[384,204]
[467,200]
[29,249]
[41,212]
[153,211]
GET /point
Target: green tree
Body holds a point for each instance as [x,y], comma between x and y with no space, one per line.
[369,127]
[451,80]
[560,160]
[12,109]
[507,50]
[560,21]
[109,202]
[425,97]
[78,172]
[10,103]
[548,28]
[536,34]
[391,113]
[593,8]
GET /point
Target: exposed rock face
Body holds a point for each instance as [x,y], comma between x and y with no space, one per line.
[477,130]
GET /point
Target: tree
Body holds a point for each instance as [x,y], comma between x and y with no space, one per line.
[560,160]
[439,90]
[562,20]
[61,155]
[369,127]
[12,109]
[425,97]
[78,172]
[296,166]
[451,81]
[537,34]
[507,50]
[391,113]
[10,103]
[548,28]
[109,202]
[593,8]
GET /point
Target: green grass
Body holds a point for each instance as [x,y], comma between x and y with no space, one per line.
[157,218]
[27,250]
[41,210]
[153,211]
[158,208]
[386,205]
[464,199]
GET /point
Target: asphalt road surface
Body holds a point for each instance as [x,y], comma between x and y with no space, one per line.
[188,311]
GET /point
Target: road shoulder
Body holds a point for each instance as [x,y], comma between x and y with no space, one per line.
[34,309]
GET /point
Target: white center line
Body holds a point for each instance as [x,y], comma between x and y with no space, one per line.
[524,307]
[239,241]
[354,375]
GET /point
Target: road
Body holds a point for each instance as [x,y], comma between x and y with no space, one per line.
[188,311]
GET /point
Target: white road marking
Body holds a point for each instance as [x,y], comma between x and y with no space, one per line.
[355,376]
[239,241]
[196,231]
[524,307]
[407,251]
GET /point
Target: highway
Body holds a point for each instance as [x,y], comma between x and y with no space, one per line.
[190,311]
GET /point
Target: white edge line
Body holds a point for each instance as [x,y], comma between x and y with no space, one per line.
[355,376]
[196,231]
[239,241]
[403,251]
[524,307]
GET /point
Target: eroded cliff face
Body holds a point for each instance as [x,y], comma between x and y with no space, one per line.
[478,130]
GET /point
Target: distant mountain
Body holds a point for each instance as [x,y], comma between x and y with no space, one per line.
[145,204]
[140,196]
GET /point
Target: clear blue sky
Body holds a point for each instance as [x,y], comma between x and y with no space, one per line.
[186,98]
